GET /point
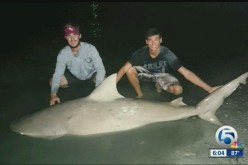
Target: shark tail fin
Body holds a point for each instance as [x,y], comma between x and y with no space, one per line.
[209,105]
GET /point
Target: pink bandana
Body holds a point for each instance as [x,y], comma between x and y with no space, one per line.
[70,30]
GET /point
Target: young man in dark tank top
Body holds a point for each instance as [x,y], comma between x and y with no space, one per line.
[152,63]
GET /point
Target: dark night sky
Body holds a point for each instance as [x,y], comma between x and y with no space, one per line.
[209,25]
[16,16]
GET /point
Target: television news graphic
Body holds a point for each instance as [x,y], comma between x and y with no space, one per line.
[227,137]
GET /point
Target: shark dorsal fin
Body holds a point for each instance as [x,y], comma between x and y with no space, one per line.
[106,91]
[178,101]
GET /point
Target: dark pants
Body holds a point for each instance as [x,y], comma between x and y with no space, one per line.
[73,80]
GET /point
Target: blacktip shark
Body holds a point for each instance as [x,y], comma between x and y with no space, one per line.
[105,110]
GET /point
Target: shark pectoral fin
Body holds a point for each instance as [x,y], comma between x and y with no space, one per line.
[178,102]
[209,116]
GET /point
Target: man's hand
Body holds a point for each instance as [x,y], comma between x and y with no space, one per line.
[54,98]
[214,89]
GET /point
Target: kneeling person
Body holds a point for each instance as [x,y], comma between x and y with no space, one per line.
[75,62]
[153,62]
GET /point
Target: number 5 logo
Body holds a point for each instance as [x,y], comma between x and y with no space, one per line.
[225,136]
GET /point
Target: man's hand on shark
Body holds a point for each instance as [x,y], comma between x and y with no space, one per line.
[54,99]
[214,89]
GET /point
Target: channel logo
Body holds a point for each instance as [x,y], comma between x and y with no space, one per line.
[226,136]
[237,145]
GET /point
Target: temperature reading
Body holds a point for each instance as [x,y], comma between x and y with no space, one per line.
[234,153]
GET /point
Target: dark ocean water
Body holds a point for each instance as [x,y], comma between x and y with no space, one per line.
[210,38]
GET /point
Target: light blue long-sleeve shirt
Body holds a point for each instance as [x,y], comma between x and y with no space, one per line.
[83,65]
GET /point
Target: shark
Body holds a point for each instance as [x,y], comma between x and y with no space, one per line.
[105,110]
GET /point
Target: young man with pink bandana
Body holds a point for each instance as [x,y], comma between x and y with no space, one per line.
[76,62]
